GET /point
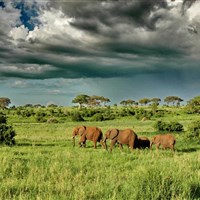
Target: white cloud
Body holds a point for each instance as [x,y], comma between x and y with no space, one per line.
[18,84]
[55,27]
[194,11]
[25,68]
[10,17]
[19,33]
[56,92]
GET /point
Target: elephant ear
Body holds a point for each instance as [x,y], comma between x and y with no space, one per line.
[81,130]
[114,133]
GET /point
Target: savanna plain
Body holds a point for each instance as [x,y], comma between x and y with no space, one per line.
[44,164]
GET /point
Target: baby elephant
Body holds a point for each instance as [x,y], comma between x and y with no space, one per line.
[121,137]
[166,141]
[142,143]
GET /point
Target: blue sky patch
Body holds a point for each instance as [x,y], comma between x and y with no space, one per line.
[28,15]
[2,4]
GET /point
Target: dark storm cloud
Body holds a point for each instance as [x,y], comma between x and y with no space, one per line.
[89,15]
[94,39]
[187,4]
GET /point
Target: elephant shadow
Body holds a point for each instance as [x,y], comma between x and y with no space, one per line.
[34,144]
[188,150]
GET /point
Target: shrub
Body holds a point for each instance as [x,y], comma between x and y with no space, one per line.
[109,116]
[98,117]
[7,133]
[193,131]
[159,113]
[52,120]
[171,126]
[40,116]
[76,117]
[141,113]
[3,118]
[88,112]
[26,113]
[127,112]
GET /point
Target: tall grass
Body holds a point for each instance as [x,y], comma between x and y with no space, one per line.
[51,172]
[44,165]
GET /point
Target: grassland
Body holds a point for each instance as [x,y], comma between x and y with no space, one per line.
[44,165]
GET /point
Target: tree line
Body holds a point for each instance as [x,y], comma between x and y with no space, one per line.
[97,101]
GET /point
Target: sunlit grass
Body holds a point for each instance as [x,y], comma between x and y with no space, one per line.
[44,165]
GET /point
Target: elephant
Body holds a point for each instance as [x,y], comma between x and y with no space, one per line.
[165,140]
[142,143]
[121,137]
[88,133]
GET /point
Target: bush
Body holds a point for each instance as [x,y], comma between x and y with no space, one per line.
[40,116]
[141,113]
[171,126]
[109,116]
[52,120]
[76,117]
[89,112]
[127,112]
[159,113]
[193,131]
[7,133]
[3,118]
[98,117]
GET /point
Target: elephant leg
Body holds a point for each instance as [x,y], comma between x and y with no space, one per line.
[131,145]
[82,141]
[84,144]
[95,144]
[157,146]
[102,144]
[112,144]
[120,146]
[172,148]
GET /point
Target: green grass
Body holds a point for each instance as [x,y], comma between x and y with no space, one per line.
[44,165]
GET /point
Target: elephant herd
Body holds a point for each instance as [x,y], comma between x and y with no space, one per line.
[121,137]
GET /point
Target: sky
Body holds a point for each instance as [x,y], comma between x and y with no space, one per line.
[53,50]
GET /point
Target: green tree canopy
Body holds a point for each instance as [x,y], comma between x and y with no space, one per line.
[156,100]
[104,100]
[144,101]
[128,102]
[194,102]
[4,102]
[173,100]
[81,99]
[93,100]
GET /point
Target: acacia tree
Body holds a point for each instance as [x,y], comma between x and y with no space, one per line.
[128,102]
[104,100]
[194,102]
[156,100]
[193,105]
[173,100]
[81,99]
[94,100]
[144,101]
[4,102]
